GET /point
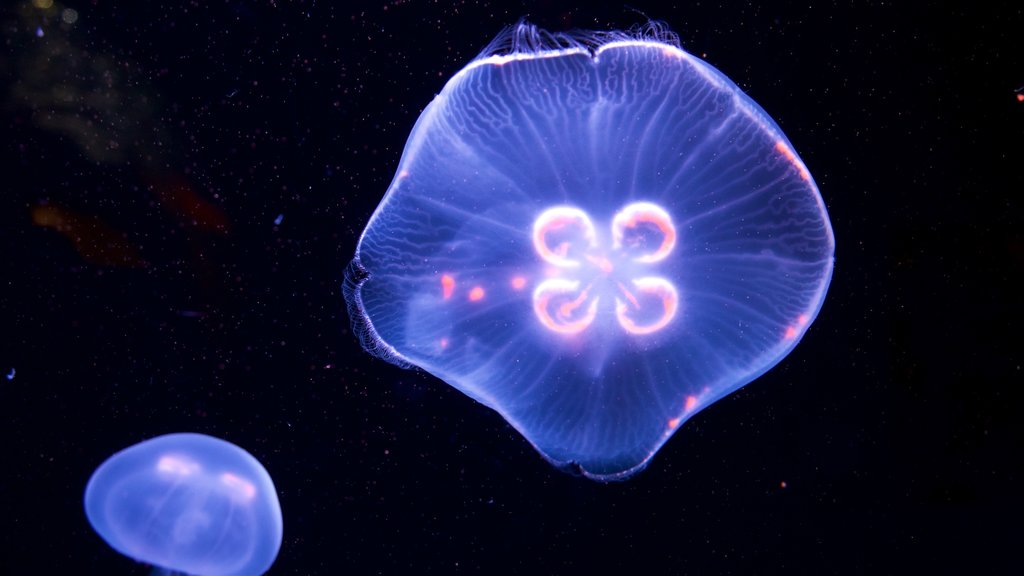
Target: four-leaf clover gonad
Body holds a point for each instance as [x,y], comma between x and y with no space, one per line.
[587,271]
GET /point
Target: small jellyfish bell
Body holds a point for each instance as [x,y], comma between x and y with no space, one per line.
[597,235]
[187,503]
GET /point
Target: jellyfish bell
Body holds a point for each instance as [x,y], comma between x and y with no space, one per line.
[596,235]
[187,503]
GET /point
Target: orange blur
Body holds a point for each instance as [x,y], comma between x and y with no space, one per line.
[790,156]
[177,196]
[447,286]
[95,241]
[791,331]
[691,403]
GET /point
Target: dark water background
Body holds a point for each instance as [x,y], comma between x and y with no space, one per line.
[149,148]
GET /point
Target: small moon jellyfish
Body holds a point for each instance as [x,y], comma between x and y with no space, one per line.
[597,235]
[189,503]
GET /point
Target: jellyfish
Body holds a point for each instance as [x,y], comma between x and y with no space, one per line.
[187,503]
[597,235]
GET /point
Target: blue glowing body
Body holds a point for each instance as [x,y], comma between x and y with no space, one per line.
[595,241]
[189,503]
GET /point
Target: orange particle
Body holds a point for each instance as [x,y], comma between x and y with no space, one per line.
[476,294]
[447,286]
[801,320]
[518,282]
[1020,97]
[785,150]
[781,148]
[673,423]
[691,403]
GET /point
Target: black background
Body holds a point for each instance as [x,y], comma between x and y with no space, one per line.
[148,148]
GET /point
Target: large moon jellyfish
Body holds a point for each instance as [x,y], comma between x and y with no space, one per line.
[187,503]
[597,236]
